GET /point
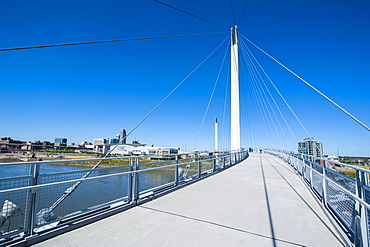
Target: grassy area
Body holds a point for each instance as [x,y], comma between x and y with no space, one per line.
[350,172]
[10,160]
[90,164]
[347,172]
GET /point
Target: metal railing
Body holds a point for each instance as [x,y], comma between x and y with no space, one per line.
[35,201]
[346,198]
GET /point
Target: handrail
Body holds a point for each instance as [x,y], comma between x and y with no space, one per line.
[27,199]
[350,210]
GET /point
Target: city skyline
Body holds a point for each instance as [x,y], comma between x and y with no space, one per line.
[90,91]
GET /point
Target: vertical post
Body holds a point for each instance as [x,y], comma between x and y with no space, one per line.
[216,135]
[361,228]
[177,170]
[130,191]
[311,175]
[235,97]
[136,180]
[199,165]
[214,162]
[324,183]
[32,197]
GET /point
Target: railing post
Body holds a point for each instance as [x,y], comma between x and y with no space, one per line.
[214,162]
[303,167]
[361,220]
[30,221]
[136,180]
[130,187]
[324,183]
[177,170]
[199,165]
[311,176]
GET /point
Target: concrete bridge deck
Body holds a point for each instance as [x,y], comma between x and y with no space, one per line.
[259,202]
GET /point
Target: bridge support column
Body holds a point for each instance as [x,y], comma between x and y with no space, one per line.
[235,97]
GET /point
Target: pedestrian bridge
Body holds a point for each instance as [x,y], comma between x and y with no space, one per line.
[223,198]
[259,202]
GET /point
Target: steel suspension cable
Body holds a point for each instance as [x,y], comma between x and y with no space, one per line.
[259,104]
[282,97]
[211,97]
[265,99]
[102,41]
[70,190]
[172,7]
[246,101]
[224,123]
[281,114]
[232,11]
[308,84]
[245,6]
[269,93]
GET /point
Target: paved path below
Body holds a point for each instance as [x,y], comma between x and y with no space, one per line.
[259,202]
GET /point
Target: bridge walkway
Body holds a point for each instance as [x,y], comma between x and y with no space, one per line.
[259,202]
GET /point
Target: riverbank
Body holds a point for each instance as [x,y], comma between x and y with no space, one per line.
[10,157]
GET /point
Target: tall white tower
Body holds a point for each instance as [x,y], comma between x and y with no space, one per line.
[235,98]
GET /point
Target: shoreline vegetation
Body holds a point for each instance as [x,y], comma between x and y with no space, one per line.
[91,164]
[143,161]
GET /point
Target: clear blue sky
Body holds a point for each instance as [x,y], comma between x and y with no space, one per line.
[91,91]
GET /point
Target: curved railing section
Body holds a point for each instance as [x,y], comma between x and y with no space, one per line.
[35,201]
[346,198]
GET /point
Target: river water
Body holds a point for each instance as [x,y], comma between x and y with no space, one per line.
[88,194]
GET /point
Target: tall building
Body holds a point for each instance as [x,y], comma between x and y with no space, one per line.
[61,140]
[122,136]
[100,141]
[112,141]
[311,147]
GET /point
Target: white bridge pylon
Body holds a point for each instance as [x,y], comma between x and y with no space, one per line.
[235,94]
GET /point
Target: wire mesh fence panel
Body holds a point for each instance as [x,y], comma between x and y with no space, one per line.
[156,164]
[90,194]
[206,165]
[367,199]
[62,190]
[342,204]
[307,175]
[12,218]
[317,182]
[316,167]
[189,170]
[13,205]
[299,167]
[340,193]
[151,179]
[340,179]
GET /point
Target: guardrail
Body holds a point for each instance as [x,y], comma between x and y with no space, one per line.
[347,199]
[36,202]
